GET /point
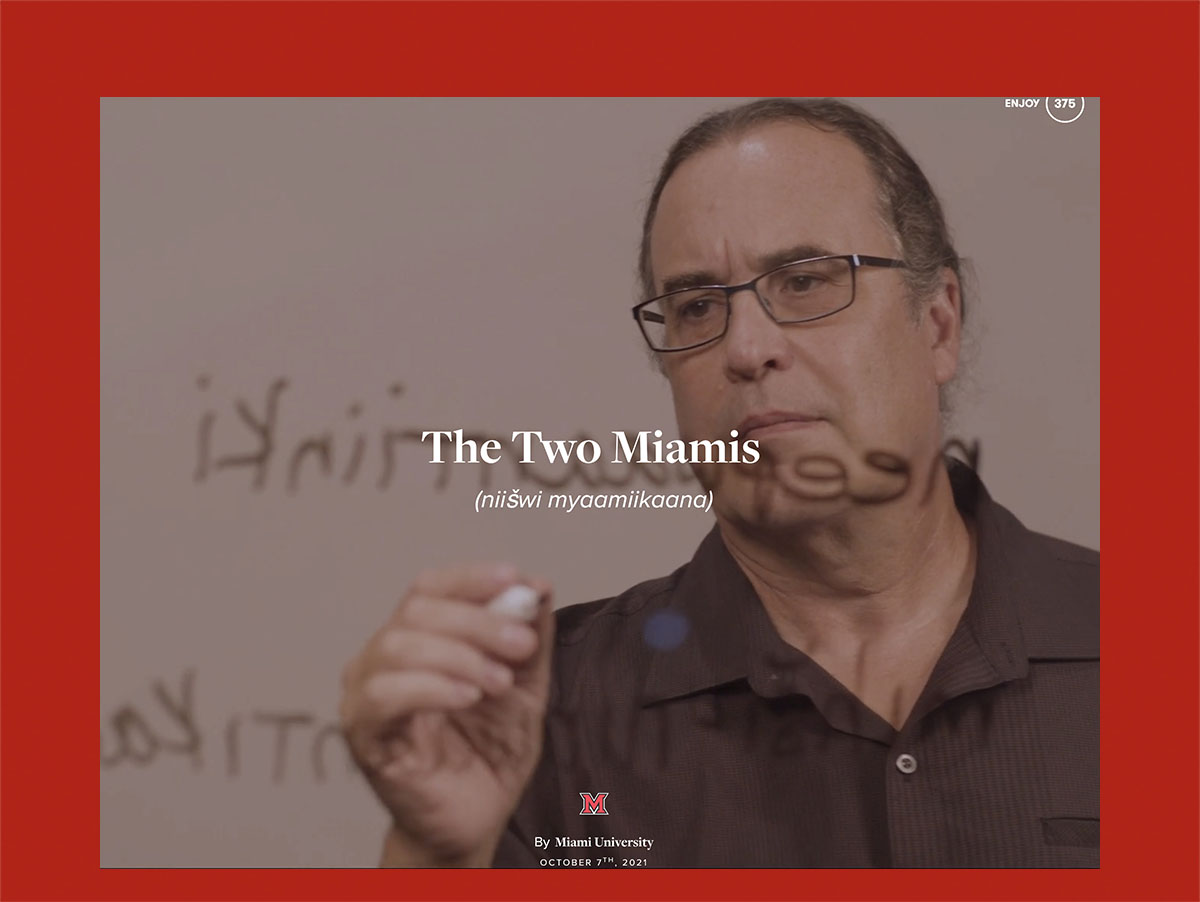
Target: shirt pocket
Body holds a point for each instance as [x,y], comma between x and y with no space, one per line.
[1079,832]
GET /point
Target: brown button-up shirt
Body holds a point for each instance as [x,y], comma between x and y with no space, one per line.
[699,738]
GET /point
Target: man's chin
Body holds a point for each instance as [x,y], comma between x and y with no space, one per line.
[773,507]
[794,471]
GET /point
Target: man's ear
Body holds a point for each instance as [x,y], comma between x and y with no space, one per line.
[943,326]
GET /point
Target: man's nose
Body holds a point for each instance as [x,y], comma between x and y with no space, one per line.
[754,343]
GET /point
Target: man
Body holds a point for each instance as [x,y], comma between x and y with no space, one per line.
[868,662]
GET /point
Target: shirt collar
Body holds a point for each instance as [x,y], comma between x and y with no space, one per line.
[1021,607]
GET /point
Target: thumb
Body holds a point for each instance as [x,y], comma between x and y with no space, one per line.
[535,675]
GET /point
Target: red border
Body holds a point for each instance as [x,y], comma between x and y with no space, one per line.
[58,58]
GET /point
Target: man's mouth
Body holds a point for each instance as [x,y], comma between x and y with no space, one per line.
[771,422]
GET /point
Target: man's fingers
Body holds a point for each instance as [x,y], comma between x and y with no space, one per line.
[407,650]
[499,636]
[472,582]
[389,694]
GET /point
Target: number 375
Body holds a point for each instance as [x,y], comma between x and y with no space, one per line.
[1064,102]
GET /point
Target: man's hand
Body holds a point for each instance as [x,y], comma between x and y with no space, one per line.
[443,710]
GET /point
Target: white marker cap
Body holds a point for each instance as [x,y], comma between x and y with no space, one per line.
[520,602]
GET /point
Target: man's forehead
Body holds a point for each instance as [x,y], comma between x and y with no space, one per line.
[751,197]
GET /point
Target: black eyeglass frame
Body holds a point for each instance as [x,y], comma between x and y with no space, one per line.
[855,261]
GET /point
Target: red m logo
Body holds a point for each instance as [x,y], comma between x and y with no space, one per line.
[593,804]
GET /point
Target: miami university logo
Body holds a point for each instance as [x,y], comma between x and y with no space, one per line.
[593,804]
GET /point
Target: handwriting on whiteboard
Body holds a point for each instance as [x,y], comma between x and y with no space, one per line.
[166,724]
[252,443]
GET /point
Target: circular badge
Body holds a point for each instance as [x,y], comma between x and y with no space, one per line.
[1064,109]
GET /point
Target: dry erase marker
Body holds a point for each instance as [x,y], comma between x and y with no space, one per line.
[520,602]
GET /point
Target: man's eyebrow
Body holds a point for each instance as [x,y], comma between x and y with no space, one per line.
[693,279]
[701,277]
[791,255]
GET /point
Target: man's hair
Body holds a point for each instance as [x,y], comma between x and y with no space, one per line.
[907,203]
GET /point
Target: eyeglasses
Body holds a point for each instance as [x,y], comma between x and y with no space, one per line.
[798,292]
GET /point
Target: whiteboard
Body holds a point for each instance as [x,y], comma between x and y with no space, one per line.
[293,289]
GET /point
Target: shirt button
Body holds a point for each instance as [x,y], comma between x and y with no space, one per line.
[906,764]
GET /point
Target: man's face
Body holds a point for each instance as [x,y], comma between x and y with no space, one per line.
[821,398]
